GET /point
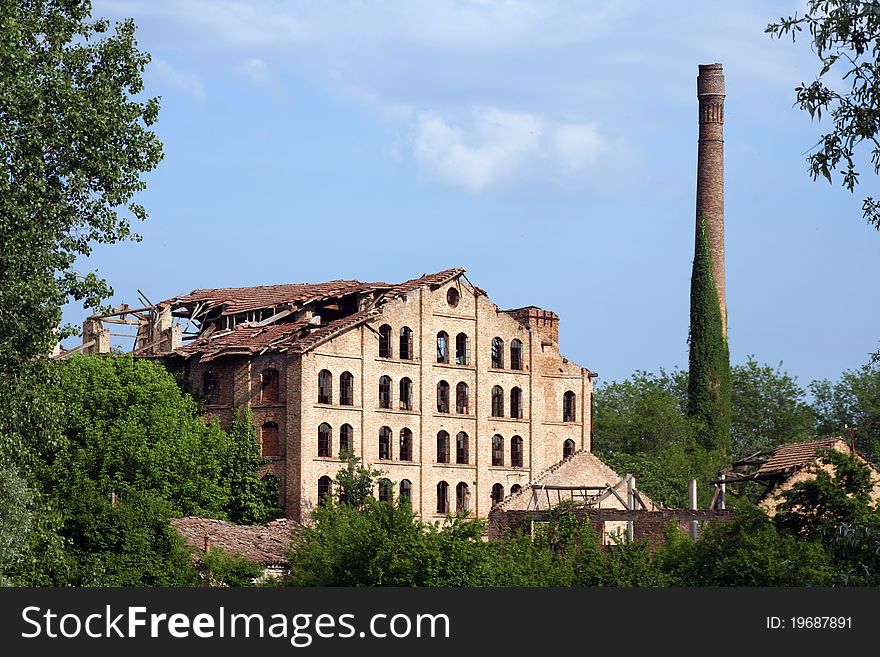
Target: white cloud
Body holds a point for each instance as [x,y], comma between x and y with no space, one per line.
[497,147]
[186,82]
[256,70]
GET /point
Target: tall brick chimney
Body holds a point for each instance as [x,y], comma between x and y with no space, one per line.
[710,171]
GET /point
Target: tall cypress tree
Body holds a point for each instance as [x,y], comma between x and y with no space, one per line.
[709,363]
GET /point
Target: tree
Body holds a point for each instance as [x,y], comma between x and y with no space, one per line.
[768,408]
[853,400]
[354,482]
[15,520]
[75,141]
[251,500]
[643,414]
[709,361]
[845,35]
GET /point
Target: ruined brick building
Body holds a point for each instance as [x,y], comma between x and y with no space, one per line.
[457,402]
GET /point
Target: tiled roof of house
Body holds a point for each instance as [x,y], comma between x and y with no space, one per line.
[266,544]
[296,336]
[796,455]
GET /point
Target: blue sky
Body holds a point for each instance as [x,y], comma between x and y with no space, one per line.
[548,147]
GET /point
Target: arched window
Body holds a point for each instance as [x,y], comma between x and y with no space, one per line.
[346,441]
[406,343]
[406,394]
[384,341]
[346,389]
[442,497]
[385,443]
[442,397]
[498,353]
[406,490]
[461,447]
[516,402]
[269,439]
[497,493]
[497,401]
[516,488]
[516,452]
[385,392]
[325,436]
[567,448]
[442,347]
[461,398]
[497,450]
[462,349]
[325,387]
[269,386]
[568,407]
[385,487]
[516,355]
[325,489]
[406,445]
[211,387]
[462,497]
[442,447]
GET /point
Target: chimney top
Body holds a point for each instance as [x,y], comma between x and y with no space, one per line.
[710,81]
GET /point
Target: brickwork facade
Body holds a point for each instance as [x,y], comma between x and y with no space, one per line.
[376,385]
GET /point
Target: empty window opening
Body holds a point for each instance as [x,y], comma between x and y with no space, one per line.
[497,493]
[497,450]
[406,394]
[406,445]
[325,489]
[385,443]
[461,447]
[498,353]
[325,436]
[346,441]
[568,407]
[462,349]
[269,386]
[516,407]
[442,347]
[442,397]
[516,355]
[497,401]
[384,341]
[406,490]
[461,398]
[385,487]
[462,498]
[567,448]
[346,389]
[269,439]
[442,497]
[516,488]
[406,343]
[211,387]
[325,387]
[442,447]
[516,452]
[385,392]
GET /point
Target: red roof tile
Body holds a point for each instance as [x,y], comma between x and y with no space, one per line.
[796,455]
[266,544]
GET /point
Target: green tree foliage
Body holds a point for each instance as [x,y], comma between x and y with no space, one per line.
[643,414]
[845,36]
[769,408]
[251,500]
[219,568]
[15,520]
[75,140]
[853,400]
[354,482]
[744,551]
[126,423]
[709,362]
